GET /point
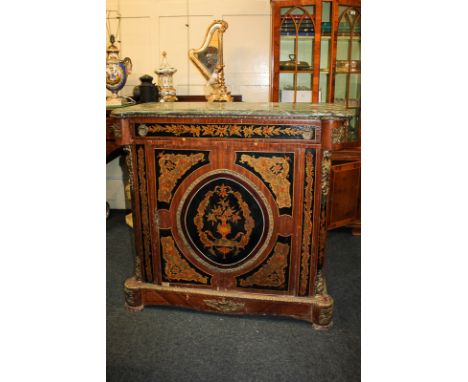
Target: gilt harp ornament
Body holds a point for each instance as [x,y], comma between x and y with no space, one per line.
[209,60]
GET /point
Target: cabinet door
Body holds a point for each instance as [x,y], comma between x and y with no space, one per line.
[228,214]
[345,194]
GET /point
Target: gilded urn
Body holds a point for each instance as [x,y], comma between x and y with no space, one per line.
[117,71]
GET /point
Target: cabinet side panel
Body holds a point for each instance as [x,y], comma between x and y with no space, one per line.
[344,195]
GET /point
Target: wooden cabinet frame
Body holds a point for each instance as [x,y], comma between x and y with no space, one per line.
[229,206]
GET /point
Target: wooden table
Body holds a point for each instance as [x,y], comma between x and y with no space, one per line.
[230,204]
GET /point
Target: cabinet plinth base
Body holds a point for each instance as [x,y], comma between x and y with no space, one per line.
[316,310]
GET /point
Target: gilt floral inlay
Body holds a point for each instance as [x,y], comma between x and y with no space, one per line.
[325,188]
[144,213]
[275,171]
[273,273]
[172,168]
[326,167]
[129,161]
[223,221]
[175,267]
[227,208]
[232,131]
[307,226]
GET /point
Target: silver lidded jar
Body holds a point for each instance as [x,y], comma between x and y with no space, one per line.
[167,91]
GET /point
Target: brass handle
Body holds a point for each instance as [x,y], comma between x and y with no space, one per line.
[224,305]
[142,130]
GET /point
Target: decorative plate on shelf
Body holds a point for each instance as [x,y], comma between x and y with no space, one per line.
[291,64]
[344,66]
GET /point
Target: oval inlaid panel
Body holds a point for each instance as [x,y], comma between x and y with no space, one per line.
[224,220]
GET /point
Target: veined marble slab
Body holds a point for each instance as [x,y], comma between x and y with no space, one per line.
[234,109]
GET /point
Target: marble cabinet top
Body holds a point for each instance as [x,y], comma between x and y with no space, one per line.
[233,109]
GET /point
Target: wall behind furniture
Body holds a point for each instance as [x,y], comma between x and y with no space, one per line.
[149,27]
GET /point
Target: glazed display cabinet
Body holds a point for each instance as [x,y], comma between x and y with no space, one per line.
[230,203]
[316,55]
[316,58]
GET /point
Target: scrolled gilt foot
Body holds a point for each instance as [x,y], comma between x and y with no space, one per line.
[322,327]
[322,313]
[133,300]
[134,308]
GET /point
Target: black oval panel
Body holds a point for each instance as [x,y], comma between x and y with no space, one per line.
[223,221]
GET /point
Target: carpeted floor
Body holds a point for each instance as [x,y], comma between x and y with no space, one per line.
[169,344]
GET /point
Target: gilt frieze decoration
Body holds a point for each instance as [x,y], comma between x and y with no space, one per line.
[176,268]
[172,167]
[228,131]
[273,273]
[276,172]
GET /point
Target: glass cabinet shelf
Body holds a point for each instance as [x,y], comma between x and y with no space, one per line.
[298,70]
[341,71]
[339,37]
[294,37]
[337,71]
[323,37]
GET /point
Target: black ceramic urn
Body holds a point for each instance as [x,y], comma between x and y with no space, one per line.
[146,91]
